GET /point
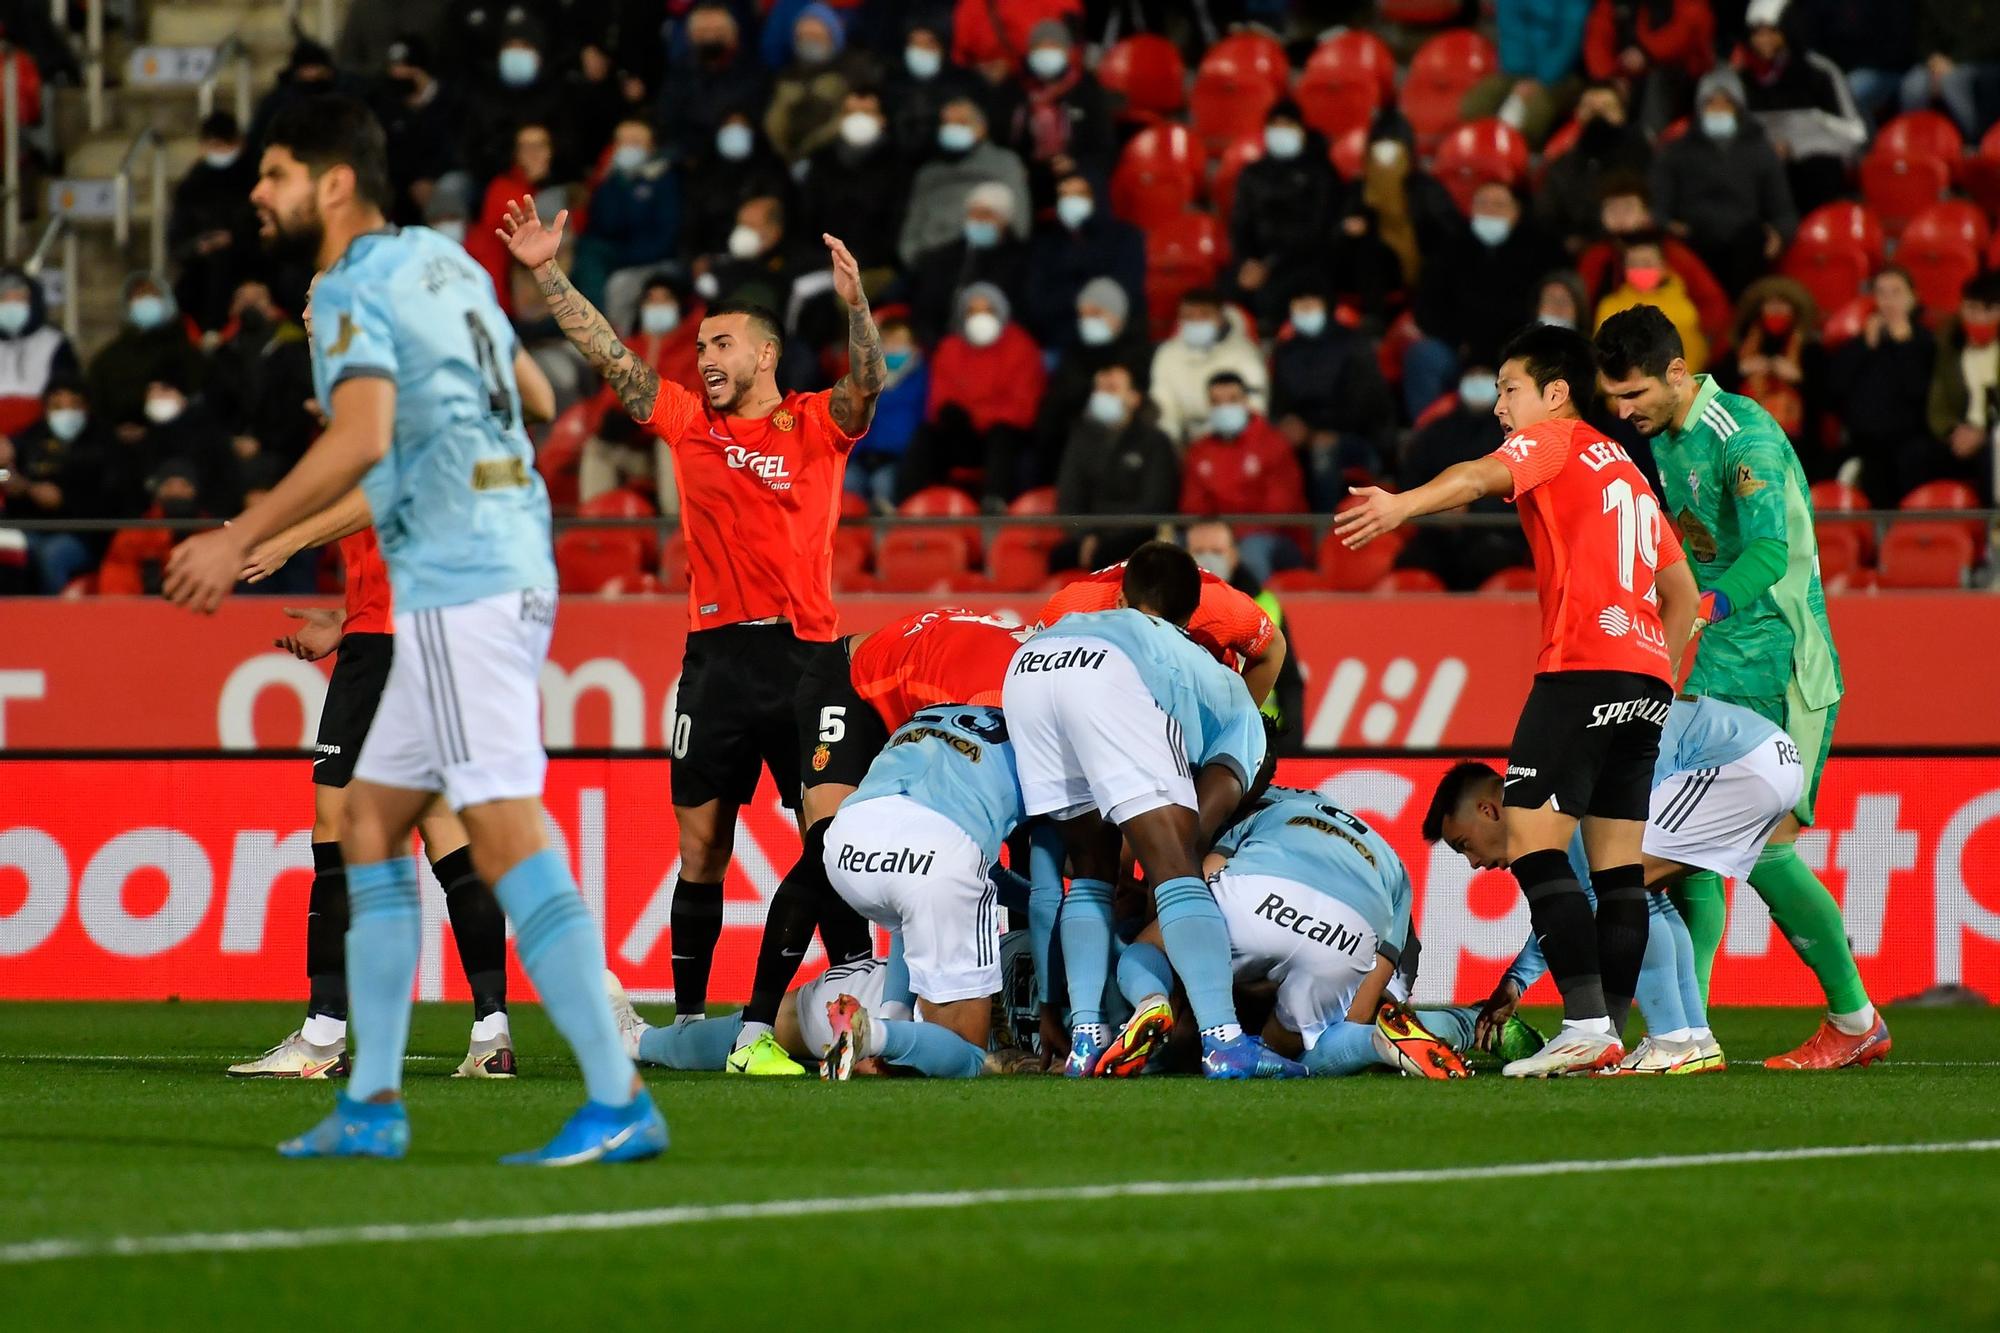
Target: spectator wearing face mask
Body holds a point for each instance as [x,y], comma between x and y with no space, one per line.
[999,36]
[1242,464]
[1413,213]
[1284,208]
[1965,395]
[1777,360]
[137,557]
[212,230]
[1083,243]
[1115,461]
[1207,340]
[1626,211]
[1569,201]
[181,426]
[1722,188]
[259,379]
[964,159]
[152,344]
[1802,100]
[921,80]
[986,387]
[530,175]
[711,83]
[1473,293]
[987,249]
[854,187]
[737,166]
[1328,398]
[635,217]
[804,112]
[423,120]
[1463,558]
[1062,124]
[1561,300]
[1541,43]
[1881,384]
[522,86]
[1101,334]
[54,472]
[1646,280]
[1653,50]
[873,469]
[309,72]
[763,260]
[1356,269]
[33,353]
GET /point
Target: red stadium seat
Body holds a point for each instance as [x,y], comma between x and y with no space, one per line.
[1157,175]
[1949,495]
[1979,175]
[1853,581]
[1834,273]
[1222,186]
[1018,560]
[1516,578]
[1357,571]
[618,503]
[1835,497]
[1847,321]
[1846,222]
[561,453]
[1035,500]
[1557,144]
[1421,13]
[1182,253]
[1409,580]
[1839,551]
[1476,153]
[1939,269]
[1346,80]
[1441,73]
[1950,220]
[920,560]
[1925,555]
[587,558]
[1921,134]
[1900,188]
[1396,342]
[1441,406]
[1226,105]
[1295,580]
[1249,54]
[633,585]
[1347,152]
[939,502]
[1355,54]
[1147,71]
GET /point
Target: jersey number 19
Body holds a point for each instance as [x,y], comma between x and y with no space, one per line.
[1638,531]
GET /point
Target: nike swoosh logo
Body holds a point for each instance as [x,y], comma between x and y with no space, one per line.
[1511,781]
[715,434]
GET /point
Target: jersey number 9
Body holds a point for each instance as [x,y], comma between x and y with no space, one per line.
[499,403]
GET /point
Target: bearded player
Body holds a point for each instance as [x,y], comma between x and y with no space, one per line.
[1617,602]
[1734,484]
[759,475]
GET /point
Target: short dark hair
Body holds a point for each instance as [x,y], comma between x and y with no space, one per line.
[1461,780]
[1983,287]
[1228,377]
[1641,340]
[1202,296]
[1549,353]
[1619,184]
[335,130]
[1162,578]
[760,314]
[220,127]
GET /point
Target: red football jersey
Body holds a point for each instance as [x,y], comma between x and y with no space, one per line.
[367,584]
[947,656]
[1230,625]
[1598,539]
[760,498]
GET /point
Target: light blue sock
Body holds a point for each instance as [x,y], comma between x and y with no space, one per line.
[1660,990]
[1693,1007]
[1454,1026]
[702,1045]
[564,956]
[384,931]
[1045,897]
[1198,943]
[1086,944]
[930,1049]
[1344,1048]
[1143,971]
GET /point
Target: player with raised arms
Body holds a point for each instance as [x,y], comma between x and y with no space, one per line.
[413,360]
[1734,485]
[1617,604]
[759,474]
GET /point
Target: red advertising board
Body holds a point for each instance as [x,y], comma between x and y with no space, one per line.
[1407,672]
[146,879]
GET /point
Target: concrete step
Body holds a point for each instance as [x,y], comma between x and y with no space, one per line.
[261,25]
[99,156]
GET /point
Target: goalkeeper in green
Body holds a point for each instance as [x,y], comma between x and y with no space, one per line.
[1735,488]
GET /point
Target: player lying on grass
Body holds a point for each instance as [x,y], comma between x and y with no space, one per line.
[1113,715]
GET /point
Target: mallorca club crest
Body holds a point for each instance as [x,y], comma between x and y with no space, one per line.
[783,419]
[822,754]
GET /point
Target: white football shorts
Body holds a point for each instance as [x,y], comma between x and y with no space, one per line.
[1088,734]
[1719,818]
[1315,947]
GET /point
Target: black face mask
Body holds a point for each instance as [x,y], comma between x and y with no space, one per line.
[1599,137]
[403,87]
[711,53]
[180,509]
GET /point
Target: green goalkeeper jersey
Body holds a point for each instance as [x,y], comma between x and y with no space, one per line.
[1731,478]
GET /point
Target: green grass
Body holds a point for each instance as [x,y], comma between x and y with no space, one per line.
[162,1143]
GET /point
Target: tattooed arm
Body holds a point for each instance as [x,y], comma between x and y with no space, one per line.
[535,246]
[853,402]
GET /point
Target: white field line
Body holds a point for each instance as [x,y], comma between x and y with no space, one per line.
[175,1059]
[405,1233]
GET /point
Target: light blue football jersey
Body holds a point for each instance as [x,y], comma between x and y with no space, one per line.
[459,508]
[1219,722]
[957,762]
[1708,733]
[1302,837]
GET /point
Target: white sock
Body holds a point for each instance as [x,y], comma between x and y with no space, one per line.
[1224,1031]
[491,1027]
[751,1031]
[1855,1024]
[1700,1034]
[1596,1027]
[322,1030]
[873,1046]
[682,1020]
[1678,1034]
[894,1011]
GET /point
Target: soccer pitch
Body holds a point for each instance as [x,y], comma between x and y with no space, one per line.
[141,1189]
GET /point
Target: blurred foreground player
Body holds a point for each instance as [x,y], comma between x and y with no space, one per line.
[759,475]
[423,411]
[1617,605]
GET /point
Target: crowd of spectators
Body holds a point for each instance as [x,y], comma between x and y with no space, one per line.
[967,151]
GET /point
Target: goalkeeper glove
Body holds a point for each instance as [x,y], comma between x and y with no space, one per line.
[1713,606]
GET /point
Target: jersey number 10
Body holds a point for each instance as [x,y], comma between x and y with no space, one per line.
[1638,531]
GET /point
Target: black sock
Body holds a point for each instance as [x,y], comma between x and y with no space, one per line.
[695,923]
[480,929]
[326,933]
[1566,929]
[1622,923]
[796,909]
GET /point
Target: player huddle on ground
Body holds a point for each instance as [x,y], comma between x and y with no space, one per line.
[1271,935]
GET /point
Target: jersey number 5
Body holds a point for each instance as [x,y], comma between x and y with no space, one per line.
[1638,530]
[499,403]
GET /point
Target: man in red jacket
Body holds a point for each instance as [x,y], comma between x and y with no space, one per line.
[1245,465]
[986,388]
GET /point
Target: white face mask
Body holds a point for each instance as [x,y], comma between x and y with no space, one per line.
[1048,62]
[221,161]
[1557,321]
[923,62]
[859,129]
[160,411]
[1094,330]
[659,317]
[1107,408]
[1284,141]
[1214,562]
[1228,419]
[746,242]
[1073,210]
[1309,321]
[452,228]
[982,328]
[956,137]
[628,157]
[734,142]
[13,317]
[1386,152]
[1199,334]
[66,423]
